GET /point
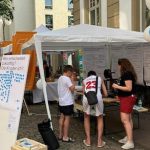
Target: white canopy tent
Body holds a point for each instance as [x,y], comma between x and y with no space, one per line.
[6,49]
[39,29]
[79,36]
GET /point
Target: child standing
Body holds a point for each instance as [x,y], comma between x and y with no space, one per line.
[65,89]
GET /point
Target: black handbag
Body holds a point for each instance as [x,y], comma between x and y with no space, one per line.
[92,95]
[48,135]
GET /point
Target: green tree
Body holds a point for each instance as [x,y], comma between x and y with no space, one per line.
[6,12]
[147,15]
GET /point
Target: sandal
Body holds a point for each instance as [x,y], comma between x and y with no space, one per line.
[59,139]
[69,140]
[84,142]
[102,145]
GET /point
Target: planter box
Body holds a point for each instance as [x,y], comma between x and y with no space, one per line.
[28,144]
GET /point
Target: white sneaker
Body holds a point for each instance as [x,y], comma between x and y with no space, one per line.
[123,141]
[128,145]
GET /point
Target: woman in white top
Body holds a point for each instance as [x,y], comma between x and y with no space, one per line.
[89,84]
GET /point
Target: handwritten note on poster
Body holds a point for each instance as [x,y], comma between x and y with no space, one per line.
[13,73]
[12,80]
[96,59]
[117,52]
[135,53]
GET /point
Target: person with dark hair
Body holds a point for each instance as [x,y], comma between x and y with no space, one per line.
[66,101]
[126,95]
[89,84]
[90,73]
[47,72]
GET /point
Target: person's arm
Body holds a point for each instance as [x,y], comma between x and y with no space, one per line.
[72,88]
[127,87]
[104,89]
[70,85]
[83,87]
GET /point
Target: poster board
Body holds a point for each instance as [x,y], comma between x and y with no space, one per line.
[96,59]
[146,48]
[117,51]
[13,73]
[134,53]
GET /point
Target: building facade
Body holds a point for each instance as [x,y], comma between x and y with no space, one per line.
[124,14]
[30,14]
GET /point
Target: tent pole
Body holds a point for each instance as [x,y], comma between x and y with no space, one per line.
[40,62]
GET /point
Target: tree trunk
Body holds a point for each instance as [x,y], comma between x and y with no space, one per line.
[3,30]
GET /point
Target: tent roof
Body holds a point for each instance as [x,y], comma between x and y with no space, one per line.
[90,33]
[41,28]
[7,49]
[83,35]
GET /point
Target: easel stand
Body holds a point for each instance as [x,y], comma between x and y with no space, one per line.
[30,113]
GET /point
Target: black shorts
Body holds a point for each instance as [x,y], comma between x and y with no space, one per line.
[66,110]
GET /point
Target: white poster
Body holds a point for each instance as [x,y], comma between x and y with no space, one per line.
[13,75]
[96,59]
[134,52]
[146,48]
[13,121]
[117,52]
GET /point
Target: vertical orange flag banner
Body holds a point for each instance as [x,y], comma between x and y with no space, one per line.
[18,39]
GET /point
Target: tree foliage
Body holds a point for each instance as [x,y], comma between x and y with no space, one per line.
[6,9]
[6,12]
[147,15]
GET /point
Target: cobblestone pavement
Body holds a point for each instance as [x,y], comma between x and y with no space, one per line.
[28,128]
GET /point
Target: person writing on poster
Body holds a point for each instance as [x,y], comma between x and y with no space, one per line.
[89,84]
[66,103]
[126,95]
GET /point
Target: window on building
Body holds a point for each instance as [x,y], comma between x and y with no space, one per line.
[95,12]
[70,4]
[70,20]
[92,17]
[49,21]
[48,4]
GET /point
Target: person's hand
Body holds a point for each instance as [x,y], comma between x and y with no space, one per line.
[115,86]
[117,98]
[72,79]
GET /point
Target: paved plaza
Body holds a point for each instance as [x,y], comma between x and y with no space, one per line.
[28,128]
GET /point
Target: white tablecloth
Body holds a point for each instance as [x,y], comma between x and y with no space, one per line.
[52,93]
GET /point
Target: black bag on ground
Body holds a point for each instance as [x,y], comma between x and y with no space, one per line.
[92,95]
[48,135]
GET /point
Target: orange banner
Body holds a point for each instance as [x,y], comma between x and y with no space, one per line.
[5,43]
[18,39]
[30,83]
